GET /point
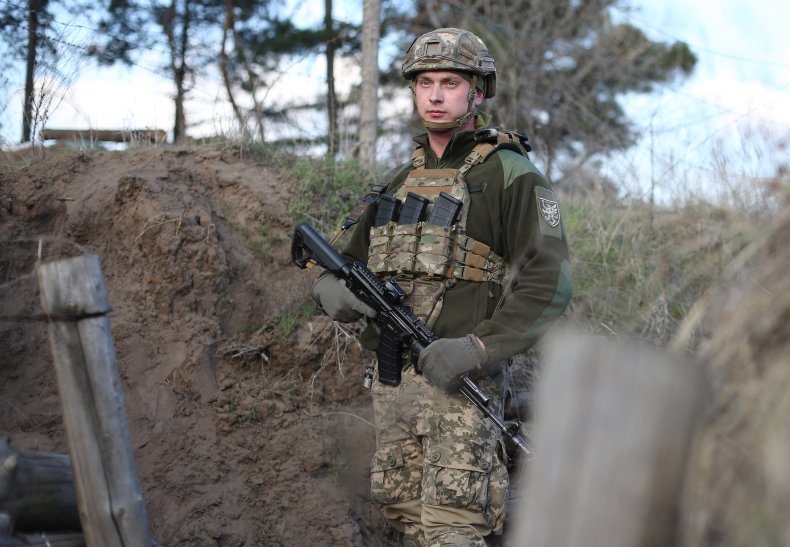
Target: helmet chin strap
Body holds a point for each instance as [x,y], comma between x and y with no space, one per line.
[470,112]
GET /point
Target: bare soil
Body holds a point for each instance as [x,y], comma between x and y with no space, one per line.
[246,412]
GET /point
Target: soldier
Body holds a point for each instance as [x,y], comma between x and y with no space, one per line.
[489,286]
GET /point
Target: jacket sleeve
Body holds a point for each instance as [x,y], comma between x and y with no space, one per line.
[357,246]
[540,273]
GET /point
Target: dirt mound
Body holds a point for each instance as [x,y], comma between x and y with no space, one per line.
[243,433]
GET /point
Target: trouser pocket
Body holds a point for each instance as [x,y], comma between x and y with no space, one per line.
[498,485]
[454,487]
[392,478]
[472,480]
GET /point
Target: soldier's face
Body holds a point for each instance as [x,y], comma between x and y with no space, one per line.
[443,96]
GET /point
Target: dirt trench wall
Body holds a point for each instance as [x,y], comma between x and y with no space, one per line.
[244,434]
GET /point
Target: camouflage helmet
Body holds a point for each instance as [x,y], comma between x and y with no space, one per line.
[455,50]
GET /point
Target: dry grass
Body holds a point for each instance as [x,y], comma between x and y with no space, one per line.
[160,220]
[639,271]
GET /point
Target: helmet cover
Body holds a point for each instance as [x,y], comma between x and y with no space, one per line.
[454,50]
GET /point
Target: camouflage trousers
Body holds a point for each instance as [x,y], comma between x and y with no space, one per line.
[438,469]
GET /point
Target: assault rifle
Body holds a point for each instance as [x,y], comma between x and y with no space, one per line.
[397,324]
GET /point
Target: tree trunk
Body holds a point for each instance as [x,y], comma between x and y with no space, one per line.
[252,80]
[227,29]
[331,101]
[426,19]
[37,490]
[178,51]
[368,103]
[181,121]
[179,127]
[34,8]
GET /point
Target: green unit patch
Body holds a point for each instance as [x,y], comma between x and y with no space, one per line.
[548,212]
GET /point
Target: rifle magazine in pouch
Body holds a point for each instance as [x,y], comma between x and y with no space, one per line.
[413,209]
[387,211]
[445,210]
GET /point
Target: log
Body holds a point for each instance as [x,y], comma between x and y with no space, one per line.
[155,136]
[613,428]
[37,490]
[42,540]
[109,497]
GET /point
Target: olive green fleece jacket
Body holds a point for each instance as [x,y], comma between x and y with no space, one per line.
[505,214]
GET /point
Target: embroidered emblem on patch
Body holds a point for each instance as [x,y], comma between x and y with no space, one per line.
[550,211]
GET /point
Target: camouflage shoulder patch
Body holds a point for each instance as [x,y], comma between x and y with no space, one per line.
[548,212]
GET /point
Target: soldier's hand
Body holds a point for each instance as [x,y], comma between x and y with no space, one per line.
[338,302]
[444,361]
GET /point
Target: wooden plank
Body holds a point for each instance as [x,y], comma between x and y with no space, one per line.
[111,135]
[108,492]
[613,427]
[37,490]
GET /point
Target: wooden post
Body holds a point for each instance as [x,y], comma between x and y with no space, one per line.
[37,490]
[613,427]
[108,492]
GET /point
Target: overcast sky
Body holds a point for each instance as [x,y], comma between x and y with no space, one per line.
[741,84]
[725,121]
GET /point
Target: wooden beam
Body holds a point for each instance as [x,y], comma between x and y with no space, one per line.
[613,427]
[93,135]
[111,507]
[42,540]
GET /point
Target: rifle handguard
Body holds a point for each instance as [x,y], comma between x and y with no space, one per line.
[386,299]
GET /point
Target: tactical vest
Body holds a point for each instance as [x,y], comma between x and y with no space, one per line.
[427,257]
